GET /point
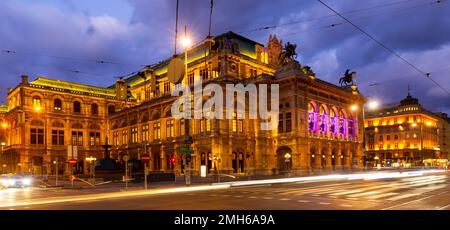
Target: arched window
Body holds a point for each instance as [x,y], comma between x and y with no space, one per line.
[111,109]
[94,109]
[77,107]
[342,125]
[333,122]
[351,127]
[312,118]
[323,120]
[57,104]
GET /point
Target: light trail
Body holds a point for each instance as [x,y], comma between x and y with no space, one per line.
[97,197]
[216,186]
[359,176]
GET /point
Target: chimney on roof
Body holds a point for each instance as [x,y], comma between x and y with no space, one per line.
[121,90]
[24,79]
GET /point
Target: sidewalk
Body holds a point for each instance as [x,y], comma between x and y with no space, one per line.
[65,183]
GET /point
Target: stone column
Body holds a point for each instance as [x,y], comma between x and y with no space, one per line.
[163,158]
[318,158]
[348,158]
[328,157]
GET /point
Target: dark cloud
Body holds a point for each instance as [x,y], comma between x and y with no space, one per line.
[415,29]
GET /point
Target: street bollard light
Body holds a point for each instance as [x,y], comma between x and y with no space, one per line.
[55,162]
[126,158]
[91,161]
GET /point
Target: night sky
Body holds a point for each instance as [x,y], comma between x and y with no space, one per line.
[65,39]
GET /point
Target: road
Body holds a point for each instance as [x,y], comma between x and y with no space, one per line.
[424,192]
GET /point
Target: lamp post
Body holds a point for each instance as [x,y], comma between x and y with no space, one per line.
[55,162]
[373,104]
[91,161]
[186,42]
[216,160]
[287,160]
[4,126]
[38,109]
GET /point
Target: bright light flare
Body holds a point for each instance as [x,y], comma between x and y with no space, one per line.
[373,104]
[186,42]
[354,107]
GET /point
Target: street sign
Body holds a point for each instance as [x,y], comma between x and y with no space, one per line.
[145,158]
[185,151]
[72,161]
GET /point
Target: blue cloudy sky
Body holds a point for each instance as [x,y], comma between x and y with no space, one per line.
[56,38]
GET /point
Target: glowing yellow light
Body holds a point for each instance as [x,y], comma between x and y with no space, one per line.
[354,107]
[186,42]
[37,108]
[4,125]
[414,124]
[429,123]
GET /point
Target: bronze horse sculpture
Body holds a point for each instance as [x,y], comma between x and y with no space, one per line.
[288,54]
[348,78]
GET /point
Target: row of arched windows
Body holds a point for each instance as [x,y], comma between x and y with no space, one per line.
[330,122]
[57,106]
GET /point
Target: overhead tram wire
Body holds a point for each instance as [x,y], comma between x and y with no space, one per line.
[323,17]
[427,75]
[98,61]
[360,18]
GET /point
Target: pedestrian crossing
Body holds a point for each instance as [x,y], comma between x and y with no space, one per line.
[372,191]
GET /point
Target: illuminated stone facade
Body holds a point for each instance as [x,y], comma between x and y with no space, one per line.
[320,124]
[404,135]
[46,116]
[317,129]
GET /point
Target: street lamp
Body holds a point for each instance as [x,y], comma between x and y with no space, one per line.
[216,160]
[38,109]
[91,161]
[287,160]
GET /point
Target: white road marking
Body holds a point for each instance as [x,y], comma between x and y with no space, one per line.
[285,199]
[383,195]
[395,206]
[404,196]
[324,203]
[238,196]
[364,194]
[347,192]
[253,197]
[267,198]
[444,207]
[303,201]
[347,205]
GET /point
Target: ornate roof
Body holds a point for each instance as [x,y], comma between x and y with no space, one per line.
[72,86]
[3,108]
[247,48]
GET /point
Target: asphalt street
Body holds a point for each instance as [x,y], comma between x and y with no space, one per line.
[424,192]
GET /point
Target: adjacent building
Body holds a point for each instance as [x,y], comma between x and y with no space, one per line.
[405,135]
